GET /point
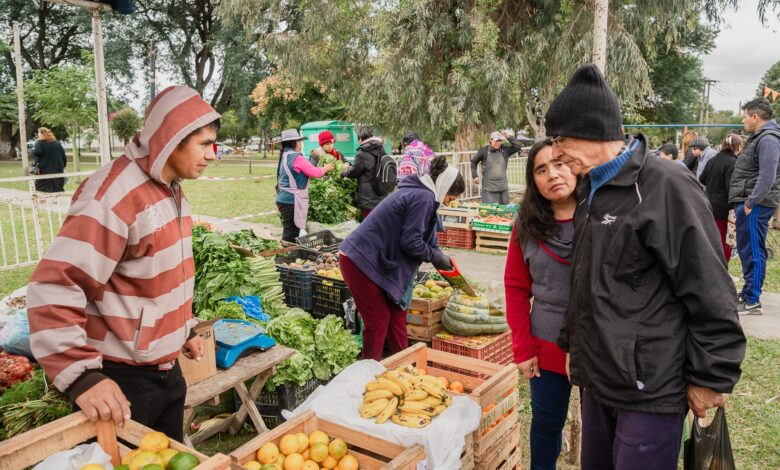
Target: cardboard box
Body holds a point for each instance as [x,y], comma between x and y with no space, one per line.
[195,371]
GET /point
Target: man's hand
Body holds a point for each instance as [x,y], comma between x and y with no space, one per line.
[701,399]
[530,368]
[748,210]
[105,401]
[193,348]
[476,180]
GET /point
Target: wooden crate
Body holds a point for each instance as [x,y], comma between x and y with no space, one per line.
[28,449]
[416,317]
[423,333]
[467,454]
[429,305]
[504,454]
[457,217]
[371,452]
[197,371]
[485,382]
[488,242]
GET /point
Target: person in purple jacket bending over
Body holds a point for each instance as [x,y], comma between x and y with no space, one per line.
[380,258]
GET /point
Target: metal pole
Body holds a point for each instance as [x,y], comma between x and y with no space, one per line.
[600,17]
[152,70]
[100,75]
[23,137]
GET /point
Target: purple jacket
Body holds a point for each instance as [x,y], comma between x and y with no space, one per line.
[398,235]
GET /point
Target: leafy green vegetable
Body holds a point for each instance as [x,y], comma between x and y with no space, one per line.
[297,369]
[247,239]
[270,288]
[30,404]
[336,347]
[230,310]
[295,329]
[330,197]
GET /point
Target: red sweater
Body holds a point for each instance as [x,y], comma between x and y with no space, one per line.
[517,283]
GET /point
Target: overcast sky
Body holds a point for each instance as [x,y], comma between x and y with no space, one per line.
[744,50]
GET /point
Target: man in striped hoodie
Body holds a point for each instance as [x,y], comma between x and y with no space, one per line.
[110,303]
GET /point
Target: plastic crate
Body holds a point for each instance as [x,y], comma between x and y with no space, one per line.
[461,238]
[457,217]
[479,226]
[328,296]
[503,210]
[324,241]
[491,348]
[287,396]
[442,237]
[296,283]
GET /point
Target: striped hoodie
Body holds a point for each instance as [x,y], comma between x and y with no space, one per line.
[117,281]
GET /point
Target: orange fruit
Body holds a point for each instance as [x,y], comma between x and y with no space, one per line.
[422,370]
[280,461]
[318,451]
[444,382]
[329,463]
[293,461]
[456,387]
[303,442]
[267,453]
[167,455]
[144,458]
[348,463]
[488,408]
[154,441]
[337,449]
[310,465]
[129,456]
[289,444]
[253,465]
[318,437]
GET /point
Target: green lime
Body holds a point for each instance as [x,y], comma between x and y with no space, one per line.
[153,466]
[183,461]
[122,467]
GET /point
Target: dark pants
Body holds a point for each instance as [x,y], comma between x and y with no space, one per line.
[382,318]
[751,245]
[289,230]
[723,226]
[156,396]
[549,406]
[495,197]
[51,185]
[628,440]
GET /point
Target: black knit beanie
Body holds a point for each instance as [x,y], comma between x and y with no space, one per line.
[586,109]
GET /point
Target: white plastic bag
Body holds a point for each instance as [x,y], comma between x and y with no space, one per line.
[76,458]
[443,439]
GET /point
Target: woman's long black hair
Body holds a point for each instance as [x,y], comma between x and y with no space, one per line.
[535,218]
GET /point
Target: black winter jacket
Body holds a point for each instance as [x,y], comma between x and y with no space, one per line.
[653,308]
[716,178]
[368,154]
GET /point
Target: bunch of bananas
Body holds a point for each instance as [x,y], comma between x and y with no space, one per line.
[405,396]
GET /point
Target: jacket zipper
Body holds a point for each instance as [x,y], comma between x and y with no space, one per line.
[175,192]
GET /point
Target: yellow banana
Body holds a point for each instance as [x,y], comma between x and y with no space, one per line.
[430,378]
[409,369]
[396,378]
[377,394]
[388,410]
[416,407]
[383,384]
[448,401]
[440,409]
[433,401]
[415,395]
[372,409]
[411,421]
[434,390]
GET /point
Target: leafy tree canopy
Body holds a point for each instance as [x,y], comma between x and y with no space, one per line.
[772,79]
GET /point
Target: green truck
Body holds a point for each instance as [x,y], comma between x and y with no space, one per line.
[344,132]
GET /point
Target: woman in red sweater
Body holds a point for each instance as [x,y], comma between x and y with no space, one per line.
[538,266]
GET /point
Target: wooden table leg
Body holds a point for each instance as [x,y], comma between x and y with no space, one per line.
[248,403]
[189,416]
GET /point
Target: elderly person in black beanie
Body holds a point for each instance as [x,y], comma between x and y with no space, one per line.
[647,338]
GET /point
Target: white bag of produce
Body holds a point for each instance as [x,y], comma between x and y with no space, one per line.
[15,301]
[76,458]
[443,439]
[15,335]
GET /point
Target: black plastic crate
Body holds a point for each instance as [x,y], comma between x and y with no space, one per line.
[323,241]
[272,420]
[296,283]
[328,296]
[287,396]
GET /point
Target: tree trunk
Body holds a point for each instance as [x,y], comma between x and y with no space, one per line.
[467,137]
[600,16]
[573,455]
[540,133]
[7,149]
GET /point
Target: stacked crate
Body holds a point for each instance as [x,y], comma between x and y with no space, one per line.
[496,443]
[491,348]
[457,221]
[423,317]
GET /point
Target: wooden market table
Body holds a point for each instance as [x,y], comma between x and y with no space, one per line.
[258,365]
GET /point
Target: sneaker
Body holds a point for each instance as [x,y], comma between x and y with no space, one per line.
[740,298]
[746,308]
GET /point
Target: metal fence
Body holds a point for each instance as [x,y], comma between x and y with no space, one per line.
[29,220]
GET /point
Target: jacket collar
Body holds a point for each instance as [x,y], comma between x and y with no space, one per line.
[629,173]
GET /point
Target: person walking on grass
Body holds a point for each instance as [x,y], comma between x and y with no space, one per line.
[110,303]
[368,156]
[494,158]
[49,160]
[648,338]
[538,267]
[716,179]
[755,193]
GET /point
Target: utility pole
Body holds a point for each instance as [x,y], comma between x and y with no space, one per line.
[600,21]
[705,111]
[152,70]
